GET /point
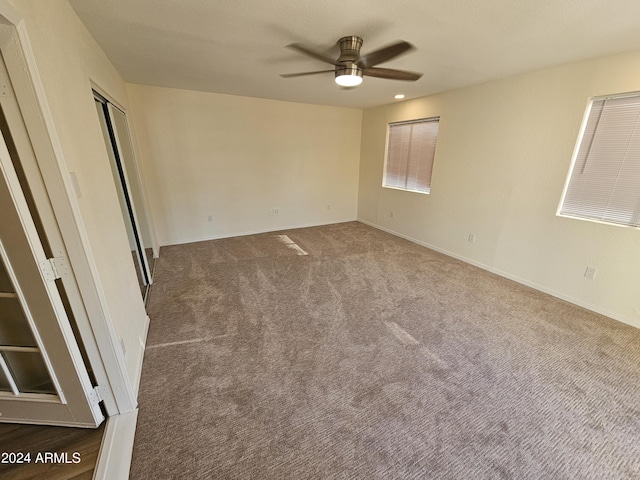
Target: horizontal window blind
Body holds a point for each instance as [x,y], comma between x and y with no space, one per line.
[604,183]
[410,153]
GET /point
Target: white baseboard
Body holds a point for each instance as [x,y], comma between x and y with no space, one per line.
[523,281]
[205,238]
[114,459]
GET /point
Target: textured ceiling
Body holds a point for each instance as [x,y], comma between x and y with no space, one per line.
[238,47]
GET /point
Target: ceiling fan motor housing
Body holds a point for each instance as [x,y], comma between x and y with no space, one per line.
[349,69]
[349,49]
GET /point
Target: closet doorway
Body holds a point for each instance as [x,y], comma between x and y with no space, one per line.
[124,167]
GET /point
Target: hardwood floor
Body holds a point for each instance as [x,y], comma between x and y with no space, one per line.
[56,453]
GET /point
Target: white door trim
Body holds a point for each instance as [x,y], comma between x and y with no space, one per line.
[116,450]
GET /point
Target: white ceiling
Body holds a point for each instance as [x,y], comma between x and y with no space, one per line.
[238,46]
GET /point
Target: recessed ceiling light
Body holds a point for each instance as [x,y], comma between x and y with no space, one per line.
[400,96]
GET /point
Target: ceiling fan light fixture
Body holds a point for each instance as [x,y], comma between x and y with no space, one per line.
[348,75]
[350,80]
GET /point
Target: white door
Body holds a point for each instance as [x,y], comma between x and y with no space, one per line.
[43,379]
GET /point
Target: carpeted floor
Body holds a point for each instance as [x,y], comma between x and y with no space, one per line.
[374,358]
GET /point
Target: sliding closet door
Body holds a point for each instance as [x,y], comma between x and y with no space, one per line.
[127,180]
[128,158]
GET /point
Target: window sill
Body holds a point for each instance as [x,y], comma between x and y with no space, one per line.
[595,220]
[407,190]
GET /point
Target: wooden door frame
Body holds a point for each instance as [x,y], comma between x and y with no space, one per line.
[83,286]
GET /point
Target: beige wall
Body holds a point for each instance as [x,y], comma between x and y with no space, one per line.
[68,59]
[503,154]
[235,158]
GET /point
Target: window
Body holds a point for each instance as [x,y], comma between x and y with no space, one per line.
[604,181]
[410,150]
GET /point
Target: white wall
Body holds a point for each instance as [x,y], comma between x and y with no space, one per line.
[235,158]
[503,154]
[68,59]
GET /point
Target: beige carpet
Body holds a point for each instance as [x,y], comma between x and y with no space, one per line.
[374,358]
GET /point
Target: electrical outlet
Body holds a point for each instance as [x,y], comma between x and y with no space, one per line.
[210,218]
[391,213]
[328,207]
[590,273]
[471,238]
[273,212]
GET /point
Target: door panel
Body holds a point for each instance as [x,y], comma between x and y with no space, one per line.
[134,184]
[14,328]
[125,175]
[43,378]
[5,283]
[29,372]
[4,383]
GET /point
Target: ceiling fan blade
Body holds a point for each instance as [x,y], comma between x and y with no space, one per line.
[384,54]
[312,53]
[302,74]
[391,74]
